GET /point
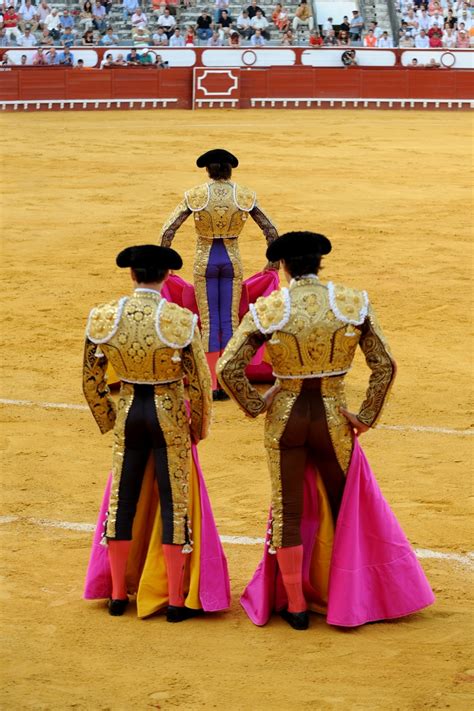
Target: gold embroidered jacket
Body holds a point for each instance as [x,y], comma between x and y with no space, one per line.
[147,340]
[220,210]
[310,330]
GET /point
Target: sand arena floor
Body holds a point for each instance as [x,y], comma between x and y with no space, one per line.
[392,190]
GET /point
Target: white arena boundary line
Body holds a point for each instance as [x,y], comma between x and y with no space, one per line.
[396,428]
[466,559]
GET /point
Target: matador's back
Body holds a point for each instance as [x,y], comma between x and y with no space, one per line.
[220,209]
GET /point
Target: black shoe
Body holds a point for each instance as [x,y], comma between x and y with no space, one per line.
[117,607]
[297,620]
[216,395]
[223,395]
[179,614]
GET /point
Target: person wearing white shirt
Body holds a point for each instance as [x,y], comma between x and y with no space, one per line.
[376,29]
[449,39]
[129,7]
[327,26]
[257,39]
[385,41]
[167,22]
[422,41]
[28,16]
[437,19]
[177,40]
[259,22]
[423,20]
[243,25]
[43,11]
[27,40]
[139,19]
[53,24]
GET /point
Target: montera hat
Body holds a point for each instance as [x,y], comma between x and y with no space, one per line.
[217,155]
[149,255]
[298,244]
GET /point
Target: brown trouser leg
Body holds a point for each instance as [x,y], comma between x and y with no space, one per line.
[306,434]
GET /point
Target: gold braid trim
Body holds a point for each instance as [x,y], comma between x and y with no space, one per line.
[199,387]
[231,367]
[173,223]
[382,365]
[94,386]
[268,228]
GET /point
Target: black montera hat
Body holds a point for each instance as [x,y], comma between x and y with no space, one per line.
[217,155]
[298,244]
[149,255]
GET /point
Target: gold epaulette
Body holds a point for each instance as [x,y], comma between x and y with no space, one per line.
[197,198]
[175,325]
[271,313]
[347,304]
[244,198]
[103,321]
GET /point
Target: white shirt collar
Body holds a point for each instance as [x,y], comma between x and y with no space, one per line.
[304,276]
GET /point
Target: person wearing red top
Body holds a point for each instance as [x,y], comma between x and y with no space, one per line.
[435,40]
[315,39]
[10,23]
[370,40]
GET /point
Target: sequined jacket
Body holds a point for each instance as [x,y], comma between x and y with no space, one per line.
[147,340]
[310,330]
[220,210]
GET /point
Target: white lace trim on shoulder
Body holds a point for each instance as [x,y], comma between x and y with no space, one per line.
[244,209]
[280,324]
[112,333]
[202,207]
[338,314]
[186,343]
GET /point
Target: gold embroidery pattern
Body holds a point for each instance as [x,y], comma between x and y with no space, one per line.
[275,423]
[245,197]
[381,363]
[123,408]
[197,198]
[333,394]
[218,216]
[199,388]
[350,303]
[232,249]
[231,367]
[102,320]
[200,290]
[96,391]
[173,223]
[173,419]
[176,324]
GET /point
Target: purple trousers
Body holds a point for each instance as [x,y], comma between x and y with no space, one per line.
[219,289]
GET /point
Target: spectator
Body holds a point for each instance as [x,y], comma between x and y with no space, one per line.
[146,58]
[110,38]
[303,16]
[159,63]
[52,57]
[129,8]
[53,24]
[141,37]
[243,25]
[465,19]
[370,40]
[462,40]
[450,19]
[376,29]
[28,39]
[133,57]
[67,38]
[345,25]
[348,58]
[139,19]
[39,58]
[280,18]
[98,17]
[411,22]
[167,22]
[449,38]
[234,39]
[437,20]
[66,20]
[28,16]
[159,38]
[120,61]
[385,41]
[287,39]
[331,40]
[221,5]
[405,40]
[226,20]
[357,25]
[189,37]
[433,64]
[66,57]
[108,62]
[10,23]
[86,19]
[80,64]
[257,39]
[414,63]
[176,39]
[204,26]
[259,22]
[43,10]
[214,40]
[343,39]
[315,39]
[45,39]
[423,20]
[327,26]
[23,60]
[107,4]
[253,8]
[422,41]
[88,38]
[4,41]
[435,40]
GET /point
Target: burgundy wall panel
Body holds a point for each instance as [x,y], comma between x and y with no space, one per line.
[176,83]
[134,83]
[431,84]
[464,79]
[332,83]
[290,82]
[253,83]
[9,81]
[39,83]
[383,83]
[89,84]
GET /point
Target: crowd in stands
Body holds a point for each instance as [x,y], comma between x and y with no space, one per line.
[30,24]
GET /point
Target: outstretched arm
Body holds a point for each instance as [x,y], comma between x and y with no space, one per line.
[240,350]
[173,223]
[268,229]
[95,388]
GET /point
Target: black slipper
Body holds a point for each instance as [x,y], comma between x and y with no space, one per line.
[117,607]
[297,620]
[179,614]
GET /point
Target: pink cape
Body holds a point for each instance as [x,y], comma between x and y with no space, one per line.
[214,587]
[182,293]
[373,573]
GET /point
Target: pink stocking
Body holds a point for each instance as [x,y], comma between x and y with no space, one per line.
[175,567]
[118,556]
[212,359]
[290,561]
